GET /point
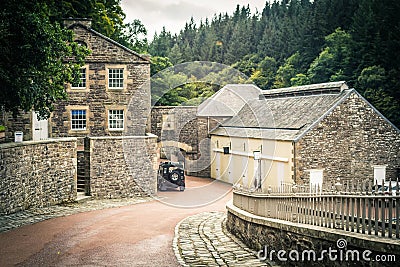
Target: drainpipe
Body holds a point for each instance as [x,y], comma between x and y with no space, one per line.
[294,161]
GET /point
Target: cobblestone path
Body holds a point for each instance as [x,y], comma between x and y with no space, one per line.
[9,222]
[202,240]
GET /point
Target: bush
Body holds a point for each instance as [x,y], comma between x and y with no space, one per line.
[2,128]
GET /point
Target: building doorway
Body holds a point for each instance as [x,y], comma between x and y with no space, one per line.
[40,128]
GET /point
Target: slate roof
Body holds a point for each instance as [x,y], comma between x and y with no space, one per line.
[228,101]
[285,114]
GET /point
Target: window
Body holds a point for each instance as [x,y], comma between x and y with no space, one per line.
[82,80]
[78,119]
[116,78]
[116,119]
[379,174]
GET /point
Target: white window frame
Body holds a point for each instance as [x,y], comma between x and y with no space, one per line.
[116,115]
[79,120]
[115,78]
[83,78]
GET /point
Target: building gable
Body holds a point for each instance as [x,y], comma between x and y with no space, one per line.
[347,142]
[98,43]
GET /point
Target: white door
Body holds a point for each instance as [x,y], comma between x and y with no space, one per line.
[230,170]
[245,181]
[40,128]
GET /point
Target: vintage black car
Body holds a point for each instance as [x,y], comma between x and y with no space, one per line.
[171,175]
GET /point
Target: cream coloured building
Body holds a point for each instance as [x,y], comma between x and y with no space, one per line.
[309,135]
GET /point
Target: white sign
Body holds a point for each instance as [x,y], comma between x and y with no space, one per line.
[18,137]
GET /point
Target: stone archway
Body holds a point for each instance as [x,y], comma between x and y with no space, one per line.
[180,145]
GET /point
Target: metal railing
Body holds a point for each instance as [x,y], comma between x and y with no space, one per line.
[372,210]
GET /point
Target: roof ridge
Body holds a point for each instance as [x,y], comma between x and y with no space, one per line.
[312,89]
[109,39]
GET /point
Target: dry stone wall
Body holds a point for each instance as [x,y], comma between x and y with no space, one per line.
[37,174]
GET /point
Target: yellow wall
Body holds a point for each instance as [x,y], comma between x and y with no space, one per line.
[239,165]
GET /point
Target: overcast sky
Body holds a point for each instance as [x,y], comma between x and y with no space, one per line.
[173,14]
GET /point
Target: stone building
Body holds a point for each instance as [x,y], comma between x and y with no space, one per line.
[107,113]
[113,77]
[306,135]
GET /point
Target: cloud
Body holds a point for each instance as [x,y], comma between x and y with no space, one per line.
[173,14]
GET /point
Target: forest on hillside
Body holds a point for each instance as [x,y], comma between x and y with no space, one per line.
[297,42]
[288,43]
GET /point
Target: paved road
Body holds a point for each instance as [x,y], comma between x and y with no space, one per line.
[136,235]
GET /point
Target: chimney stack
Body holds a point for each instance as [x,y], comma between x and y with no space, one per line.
[83,21]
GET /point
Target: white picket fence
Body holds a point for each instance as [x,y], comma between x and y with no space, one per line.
[355,208]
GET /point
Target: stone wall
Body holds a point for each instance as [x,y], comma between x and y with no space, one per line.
[122,166]
[259,233]
[181,125]
[22,122]
[37,174]
[348,143]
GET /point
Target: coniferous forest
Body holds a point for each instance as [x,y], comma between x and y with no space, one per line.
[297,42]
[288,43]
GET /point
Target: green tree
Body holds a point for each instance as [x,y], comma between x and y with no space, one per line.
[264,75]
[334,62]
[107,15]
[288,71]
[133,36]
[33,62]
[158,64]
[376,85]
[175,55]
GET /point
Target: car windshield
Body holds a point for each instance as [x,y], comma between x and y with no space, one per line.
[383,188]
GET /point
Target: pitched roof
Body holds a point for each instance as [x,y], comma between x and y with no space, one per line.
[312,89]
[77,23]
[285,114]
[228,101]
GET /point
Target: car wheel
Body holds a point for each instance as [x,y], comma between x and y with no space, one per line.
[181,188]
[174,176]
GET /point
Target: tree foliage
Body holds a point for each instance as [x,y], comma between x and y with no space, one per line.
[33,69]
[296,42]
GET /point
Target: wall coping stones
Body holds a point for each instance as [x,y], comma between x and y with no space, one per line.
[172,107]
[371,242]
[28,143]
[147,136]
